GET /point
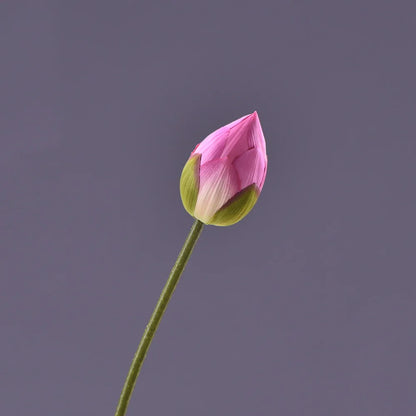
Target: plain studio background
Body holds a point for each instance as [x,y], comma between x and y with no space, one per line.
[307,306]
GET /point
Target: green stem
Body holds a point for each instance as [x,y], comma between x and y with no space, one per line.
[156,317]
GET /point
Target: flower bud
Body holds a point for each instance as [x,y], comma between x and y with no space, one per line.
[223,177]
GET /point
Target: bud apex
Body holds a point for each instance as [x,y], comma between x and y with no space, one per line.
[225,173]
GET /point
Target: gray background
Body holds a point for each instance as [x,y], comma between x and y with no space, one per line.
[307,306]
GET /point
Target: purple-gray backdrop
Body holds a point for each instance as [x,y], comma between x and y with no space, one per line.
[306,307]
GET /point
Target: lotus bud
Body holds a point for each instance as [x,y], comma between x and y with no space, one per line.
[224,175]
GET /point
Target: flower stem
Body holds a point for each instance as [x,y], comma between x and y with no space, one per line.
[156,317]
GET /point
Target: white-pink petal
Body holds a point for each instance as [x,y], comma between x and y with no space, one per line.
[218,183]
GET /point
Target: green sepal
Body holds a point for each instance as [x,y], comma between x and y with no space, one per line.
[189,183]
[237,207]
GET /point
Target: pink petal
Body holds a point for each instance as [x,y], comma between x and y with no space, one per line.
[213,145]
[251,168]
[218,183]
[258,138]
[243,136]
[238,139]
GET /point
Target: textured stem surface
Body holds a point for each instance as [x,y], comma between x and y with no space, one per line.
[156,317]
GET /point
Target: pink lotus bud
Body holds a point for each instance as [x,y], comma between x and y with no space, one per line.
[224,175]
